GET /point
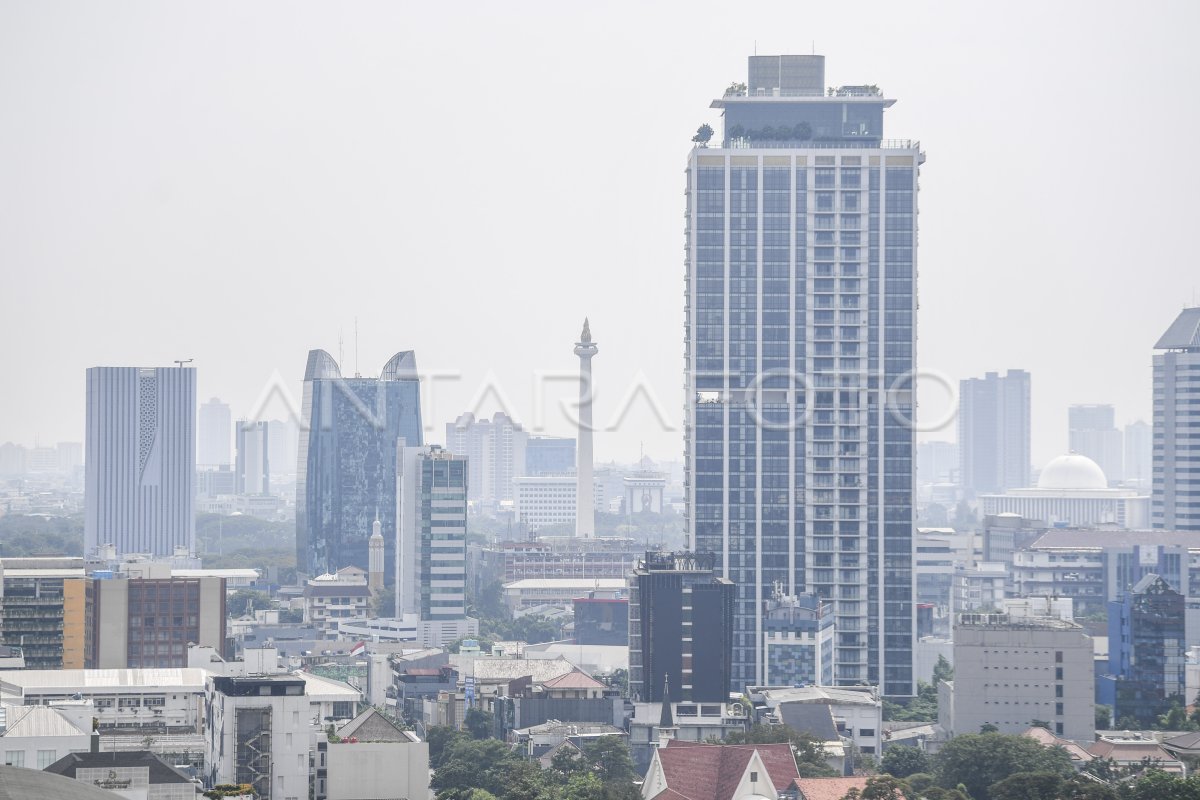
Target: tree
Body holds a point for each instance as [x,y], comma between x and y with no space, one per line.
[244,601]
[1103,718]
[901,761]
[703,134]
[467,764]
[609,757]
[479,723]
[1158,785]
[978,760]
[439,738]
[567,761]
[943,670]
[1028,786]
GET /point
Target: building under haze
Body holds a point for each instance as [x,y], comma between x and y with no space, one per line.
[549,455]
[1176,498]
[994,433]
[253,466]
[215,432]
[347,460]
[495,451]
[1092,432]
[1139,454]
[140,471]
[800,309]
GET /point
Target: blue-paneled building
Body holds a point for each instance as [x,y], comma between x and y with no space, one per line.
[346,476]
[800,309]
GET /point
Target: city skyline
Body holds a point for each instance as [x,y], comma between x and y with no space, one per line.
[354,229]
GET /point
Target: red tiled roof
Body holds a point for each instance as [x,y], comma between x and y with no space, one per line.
[828,788]
[696,771]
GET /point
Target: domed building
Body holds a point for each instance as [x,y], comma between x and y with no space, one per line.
[1072,491]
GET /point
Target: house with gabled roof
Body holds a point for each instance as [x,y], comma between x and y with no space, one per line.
[695,771]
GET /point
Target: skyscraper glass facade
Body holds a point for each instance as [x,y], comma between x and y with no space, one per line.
[346,476]
[800,327]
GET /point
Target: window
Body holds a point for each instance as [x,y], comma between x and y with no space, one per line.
[14,758]
[46,758]
[753,776]
[866,733]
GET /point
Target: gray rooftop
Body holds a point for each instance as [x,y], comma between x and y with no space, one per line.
[1088,538]
[19,783]
[1184,333]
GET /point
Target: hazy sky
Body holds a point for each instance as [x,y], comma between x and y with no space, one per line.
[238,182]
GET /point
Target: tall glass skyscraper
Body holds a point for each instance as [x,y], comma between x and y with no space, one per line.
[1175,503]
[800,325]
[346,475]
[140,469]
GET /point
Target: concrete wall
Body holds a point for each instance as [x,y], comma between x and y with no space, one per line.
[378,771]
[1009,677]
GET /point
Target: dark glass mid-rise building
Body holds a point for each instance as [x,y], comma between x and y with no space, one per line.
[801,336]
[680,629]
[346,475]
[1146,651]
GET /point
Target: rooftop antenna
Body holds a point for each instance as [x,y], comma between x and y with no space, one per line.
[179,362]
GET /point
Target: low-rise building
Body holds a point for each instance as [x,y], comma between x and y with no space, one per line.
[333,598]
[857,711]
[1014,672]
[371,758]
[134,774]
[137,702]
[537,591]
[687,771]
[37,736]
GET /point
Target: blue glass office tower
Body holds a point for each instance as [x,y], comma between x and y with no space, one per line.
[801,337]
[346,473]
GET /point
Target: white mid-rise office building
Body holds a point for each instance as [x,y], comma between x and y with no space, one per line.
[1176,498]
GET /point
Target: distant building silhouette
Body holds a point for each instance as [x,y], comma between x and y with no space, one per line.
[253,469]
[495,450]
[994,432]
[215,426]
[1092,432]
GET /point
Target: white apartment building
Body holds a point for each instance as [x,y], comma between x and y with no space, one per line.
[550,500]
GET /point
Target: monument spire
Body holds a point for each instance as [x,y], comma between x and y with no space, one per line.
[585,518]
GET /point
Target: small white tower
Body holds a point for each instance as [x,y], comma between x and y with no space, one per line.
[585,504]
[375,557]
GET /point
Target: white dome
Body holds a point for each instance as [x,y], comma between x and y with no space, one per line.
[1072,472]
